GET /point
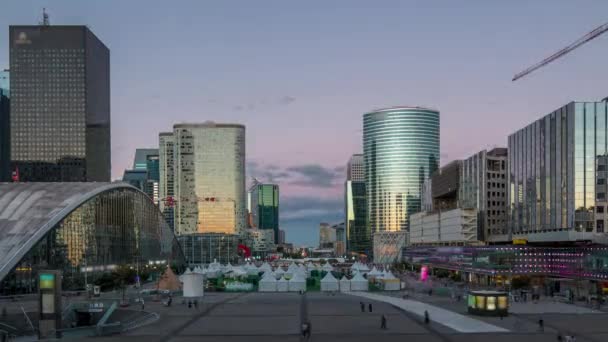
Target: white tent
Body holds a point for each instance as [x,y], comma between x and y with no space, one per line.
[327,267]
[374,272]
[279,272]
[358,283]
[268,283]
[363,268]
[297,283]
[329,283]
[344,284]
[192,284]
[265,268]
[391,283]
[251,269]
[282,285]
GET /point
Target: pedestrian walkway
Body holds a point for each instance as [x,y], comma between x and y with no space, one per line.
[456,321]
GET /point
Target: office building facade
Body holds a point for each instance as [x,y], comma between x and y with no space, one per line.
[5,135]
[60,104]
[357,229]
[264,208]
[401,150]
[483,186]
[209,178]
[166,174]
[554,173]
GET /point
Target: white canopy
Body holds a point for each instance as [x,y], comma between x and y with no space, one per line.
[265,267]
[391,283]
[327,267]
[279,272]
[374,272]
[344,284]
[358,283]
[297,283]
[282,285]
[363,268]
[329,283]
[268,283]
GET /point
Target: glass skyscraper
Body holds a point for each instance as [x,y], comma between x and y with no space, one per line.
[264,207]
[5,134]
[553,173]
[209,178]
[401,150]
[358,234]
[60,104]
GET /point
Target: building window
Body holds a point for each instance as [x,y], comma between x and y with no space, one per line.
[601,167]
[601,181]
[599,209]
[601,196]
[600,226]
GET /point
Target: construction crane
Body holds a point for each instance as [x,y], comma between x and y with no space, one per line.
[584,39]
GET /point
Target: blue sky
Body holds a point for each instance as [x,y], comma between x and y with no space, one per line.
[300,75]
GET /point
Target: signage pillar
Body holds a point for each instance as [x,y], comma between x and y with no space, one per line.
[49,304]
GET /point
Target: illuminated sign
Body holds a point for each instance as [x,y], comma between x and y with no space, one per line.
[520,241]
[22,39]
[424,273]
[47,281]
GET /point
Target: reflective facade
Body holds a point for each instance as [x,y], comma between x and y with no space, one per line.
[553,171]
[206,248]
[358,233]
[5,134]
[60,104]
[209,178]
[401,150]
[78,228]
[264,207]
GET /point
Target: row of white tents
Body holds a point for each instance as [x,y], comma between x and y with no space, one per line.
[269,283]
[330,284]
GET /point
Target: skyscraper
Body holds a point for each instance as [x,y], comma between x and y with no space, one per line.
[166,175]
[60,104]
[401,150]
[264,207]
[358,234]
[209,178]
[4,126]
[145,173]
[557,173]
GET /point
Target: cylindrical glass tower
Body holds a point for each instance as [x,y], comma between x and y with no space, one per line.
[401,150]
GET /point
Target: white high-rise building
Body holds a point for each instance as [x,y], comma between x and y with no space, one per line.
[209,178]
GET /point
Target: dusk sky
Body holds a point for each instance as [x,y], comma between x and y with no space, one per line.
[300,75]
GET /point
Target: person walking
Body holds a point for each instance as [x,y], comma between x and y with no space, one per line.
[362,306]
[370,307]
[426,317]
[142,304]
[541,325]
[383,322]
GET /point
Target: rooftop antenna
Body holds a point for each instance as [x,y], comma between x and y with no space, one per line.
[45,18]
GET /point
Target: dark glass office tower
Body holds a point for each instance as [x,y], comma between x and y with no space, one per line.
[4,127]
[60,104]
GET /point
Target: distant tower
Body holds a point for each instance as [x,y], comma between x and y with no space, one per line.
[45,18]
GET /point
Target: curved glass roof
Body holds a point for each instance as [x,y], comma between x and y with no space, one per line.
[29,210]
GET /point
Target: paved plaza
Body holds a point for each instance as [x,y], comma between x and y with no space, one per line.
[277,317]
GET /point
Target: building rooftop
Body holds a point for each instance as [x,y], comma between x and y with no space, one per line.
[390,109]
